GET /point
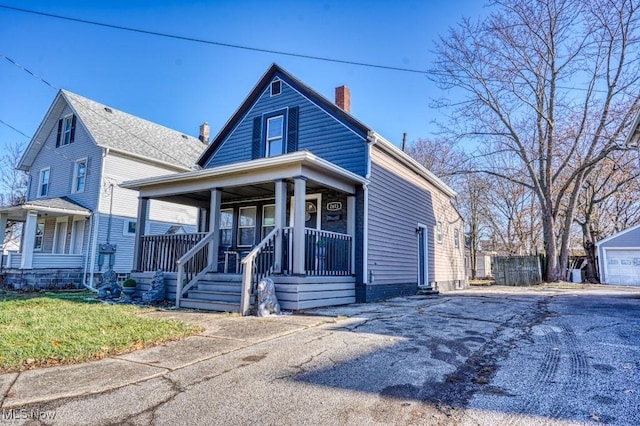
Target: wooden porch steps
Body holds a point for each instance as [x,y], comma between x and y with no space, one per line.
[215,292]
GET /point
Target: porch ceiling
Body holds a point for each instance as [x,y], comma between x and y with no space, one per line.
[250,179]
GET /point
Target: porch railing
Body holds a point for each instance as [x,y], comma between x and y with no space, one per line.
[163,251]
[193,265]
[258,264]
[326,253]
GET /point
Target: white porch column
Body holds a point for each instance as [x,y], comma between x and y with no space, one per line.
[4,217]
[29,233]
[299,193]
[214,226]
[351,228]
[141,224]
[281,212]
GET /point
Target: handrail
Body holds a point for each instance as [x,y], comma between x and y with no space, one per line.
[180,289]
[249,269]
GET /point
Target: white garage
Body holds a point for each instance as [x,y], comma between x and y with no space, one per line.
[619,257]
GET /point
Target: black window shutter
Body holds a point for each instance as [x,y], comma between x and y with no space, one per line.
[59,133]
[256,140]
[292,129]
[73,128]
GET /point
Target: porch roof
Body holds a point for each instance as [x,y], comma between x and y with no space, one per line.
[51,206]
[264,170]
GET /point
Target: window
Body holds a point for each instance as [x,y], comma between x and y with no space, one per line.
[275,136]
[456,239]
[129,227]
[43,188]
[276,87]
[247,226]
[268,219]
[79,175]
[226,227]
[37,243]
[66,130]
[439,232]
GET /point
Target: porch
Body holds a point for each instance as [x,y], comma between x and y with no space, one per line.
[291,218]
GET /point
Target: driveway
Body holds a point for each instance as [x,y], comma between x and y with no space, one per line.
[484,356]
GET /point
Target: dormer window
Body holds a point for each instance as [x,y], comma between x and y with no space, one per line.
[276,87]
[66,130]
[275,136]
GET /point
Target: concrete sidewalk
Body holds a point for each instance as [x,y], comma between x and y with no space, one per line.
[223,333]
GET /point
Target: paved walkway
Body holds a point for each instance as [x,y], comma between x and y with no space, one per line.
[223,333]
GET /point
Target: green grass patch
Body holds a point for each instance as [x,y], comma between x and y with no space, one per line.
[52,328]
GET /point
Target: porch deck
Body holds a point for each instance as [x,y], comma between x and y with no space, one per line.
[195,278]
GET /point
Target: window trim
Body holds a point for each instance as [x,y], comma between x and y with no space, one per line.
[74,182]
[439,232]
[125,227]
[262,225]
[230,227]
[64,131]
[35,238]
[41,183]
[284,112]
[277,82]
[240,227]
[456,238]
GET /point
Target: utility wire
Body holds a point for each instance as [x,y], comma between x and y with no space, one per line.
[88,107]
[14,129]
[215,43]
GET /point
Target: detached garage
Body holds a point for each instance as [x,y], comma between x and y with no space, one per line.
[619,257]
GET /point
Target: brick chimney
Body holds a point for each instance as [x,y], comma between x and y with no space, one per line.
[343,98]
[204,133]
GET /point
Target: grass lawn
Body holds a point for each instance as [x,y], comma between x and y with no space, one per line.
[51,328]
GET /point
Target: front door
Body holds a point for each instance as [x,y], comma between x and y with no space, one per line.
[423,256]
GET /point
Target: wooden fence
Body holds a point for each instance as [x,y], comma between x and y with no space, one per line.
[517,270]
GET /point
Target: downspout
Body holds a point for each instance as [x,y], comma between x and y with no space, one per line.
[371,140]
[94,244]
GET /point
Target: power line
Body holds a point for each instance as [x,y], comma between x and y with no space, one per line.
[115,123]
[14,129]
[215,43]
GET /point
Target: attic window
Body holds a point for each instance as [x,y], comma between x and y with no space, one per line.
[108,109]
[276,87]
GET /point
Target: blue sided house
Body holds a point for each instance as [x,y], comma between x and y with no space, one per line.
[296,188]
[77,220]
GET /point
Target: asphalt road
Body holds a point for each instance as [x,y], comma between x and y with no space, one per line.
[490,357]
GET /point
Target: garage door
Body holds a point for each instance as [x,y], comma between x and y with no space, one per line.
[623,267]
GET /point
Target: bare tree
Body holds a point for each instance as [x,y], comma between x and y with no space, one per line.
[440,156]
[13,187]
[550,88]
[609,203]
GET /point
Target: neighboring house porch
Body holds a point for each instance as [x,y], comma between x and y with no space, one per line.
[292,217]
[53,238]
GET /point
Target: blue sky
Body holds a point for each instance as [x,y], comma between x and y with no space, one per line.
[180,84]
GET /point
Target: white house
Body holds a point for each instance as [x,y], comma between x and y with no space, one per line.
[77,220]
[619,257]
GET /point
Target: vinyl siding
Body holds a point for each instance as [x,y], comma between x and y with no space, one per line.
[61,162]
[625,240]
[124,242]
[399,199]
[125,201]
[319,132]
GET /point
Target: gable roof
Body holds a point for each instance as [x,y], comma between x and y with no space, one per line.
[331,108]
[618,234]
[118,131]
[255,93]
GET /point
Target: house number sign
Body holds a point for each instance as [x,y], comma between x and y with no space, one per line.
[334,206]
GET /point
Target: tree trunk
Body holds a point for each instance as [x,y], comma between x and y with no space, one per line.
[550,248]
